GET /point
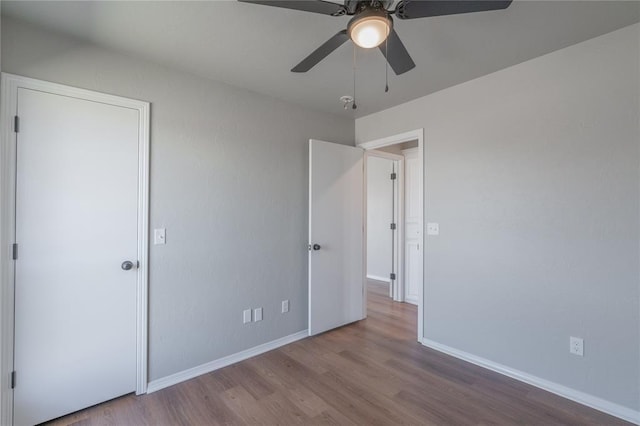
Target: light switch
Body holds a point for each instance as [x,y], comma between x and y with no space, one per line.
[433,229]
[159,236]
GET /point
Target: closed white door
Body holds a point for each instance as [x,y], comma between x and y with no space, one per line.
[413,226]
[336,264]
[76,223]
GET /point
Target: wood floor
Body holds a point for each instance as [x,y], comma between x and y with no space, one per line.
[369,373]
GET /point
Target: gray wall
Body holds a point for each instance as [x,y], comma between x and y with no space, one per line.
[379,216]
[533,174]
[229,182]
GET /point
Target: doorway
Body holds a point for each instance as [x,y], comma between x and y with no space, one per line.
[394,218]
[74,212]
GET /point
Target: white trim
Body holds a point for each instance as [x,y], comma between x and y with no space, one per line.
[156,385]
[377,278]
[413,135]
[398,240]
[382,154]
[580,397]
[142,290]
[9,95]
[392,140]
[8,105]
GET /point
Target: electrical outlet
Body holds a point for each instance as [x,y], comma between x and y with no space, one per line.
[246,316]
[576,346]
[257,314]
[285,306]
[433,228]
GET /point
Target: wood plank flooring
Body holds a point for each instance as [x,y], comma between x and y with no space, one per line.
[369,373]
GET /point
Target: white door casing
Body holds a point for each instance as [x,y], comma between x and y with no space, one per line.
[393,140]
[81,167]
[336,220]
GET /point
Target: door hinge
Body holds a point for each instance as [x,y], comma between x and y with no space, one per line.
[393,176]
[392,276]
[16,124]
[12,378]
[393,226]
[14,253]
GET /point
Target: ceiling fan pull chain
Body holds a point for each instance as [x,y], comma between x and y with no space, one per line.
[354,106]
[386,64]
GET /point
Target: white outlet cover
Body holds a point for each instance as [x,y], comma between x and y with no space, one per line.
[433,228]
[246,316]
[576,346]
[285,306]
[257,314]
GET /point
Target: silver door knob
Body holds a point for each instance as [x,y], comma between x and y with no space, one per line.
[127,265]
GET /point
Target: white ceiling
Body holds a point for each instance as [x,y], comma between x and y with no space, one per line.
[254,46]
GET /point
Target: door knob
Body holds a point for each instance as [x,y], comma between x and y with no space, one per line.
[316,246]
[127,265]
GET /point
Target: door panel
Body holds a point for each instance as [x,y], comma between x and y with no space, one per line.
[76,222]
[413,226]
[336,270]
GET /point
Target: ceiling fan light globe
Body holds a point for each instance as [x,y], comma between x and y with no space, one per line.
[369,31]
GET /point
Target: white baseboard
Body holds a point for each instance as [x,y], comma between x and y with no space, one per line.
[377,278]
[176,378]
[580,397]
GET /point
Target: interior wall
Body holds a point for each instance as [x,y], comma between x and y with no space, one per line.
[379,218]
[229,182]
[533,175]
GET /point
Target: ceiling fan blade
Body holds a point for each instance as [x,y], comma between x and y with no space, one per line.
[397,54]
[322,52]
[315,6]
[411,9]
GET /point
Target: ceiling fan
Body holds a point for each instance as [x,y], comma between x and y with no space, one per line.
[372,23]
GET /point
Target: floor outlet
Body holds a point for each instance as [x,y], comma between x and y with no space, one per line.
[246,316]
[285,306]
[257,314]
[576,346]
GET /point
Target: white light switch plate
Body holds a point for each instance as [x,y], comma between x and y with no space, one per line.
[246,316]
[433,228]
[285,306]
[159,236]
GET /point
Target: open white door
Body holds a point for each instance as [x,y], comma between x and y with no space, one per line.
[336,262]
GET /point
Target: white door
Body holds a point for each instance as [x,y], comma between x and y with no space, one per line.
[76,223]
[413,226]
[336,264]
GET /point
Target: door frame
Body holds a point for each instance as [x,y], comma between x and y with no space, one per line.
[396,287]
[413,135]
[8,110]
